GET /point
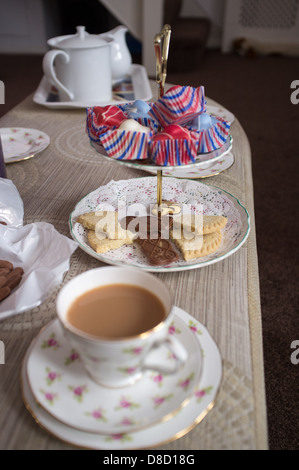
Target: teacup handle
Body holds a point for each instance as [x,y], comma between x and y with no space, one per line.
[49,71]
[178,351]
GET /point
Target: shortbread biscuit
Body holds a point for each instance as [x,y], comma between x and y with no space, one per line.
[207,244]
[201,225]
[105,224]
[213,223]
[106,244]
[89,220]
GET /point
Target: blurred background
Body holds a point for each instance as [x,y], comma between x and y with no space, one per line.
[246,54]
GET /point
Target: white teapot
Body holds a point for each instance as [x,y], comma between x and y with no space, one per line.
[82,69]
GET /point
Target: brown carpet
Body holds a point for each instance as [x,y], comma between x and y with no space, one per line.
[258,92]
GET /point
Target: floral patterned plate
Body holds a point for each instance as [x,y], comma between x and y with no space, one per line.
[125,195]
[202,400]
[62,387]
[20,144]
[210,169]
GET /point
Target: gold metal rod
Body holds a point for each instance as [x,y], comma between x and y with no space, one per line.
[158,54]
[159,189]
[161,44]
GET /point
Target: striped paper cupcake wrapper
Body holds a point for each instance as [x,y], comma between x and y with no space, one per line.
[214,137]
[178,102]
[126,145]
[173,152]
[93,129]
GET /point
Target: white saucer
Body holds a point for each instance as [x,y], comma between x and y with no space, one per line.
[203,398]
[21,143]
[141,91]
[210,169]
[61,386]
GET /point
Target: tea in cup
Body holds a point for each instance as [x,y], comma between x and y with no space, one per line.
[117,318]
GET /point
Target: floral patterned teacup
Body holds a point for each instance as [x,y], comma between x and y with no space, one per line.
[120,362]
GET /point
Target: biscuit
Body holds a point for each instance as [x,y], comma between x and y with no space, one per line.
[106,244]
[89,220]
[201,225]
[203,245]
[152,236]
[105,224]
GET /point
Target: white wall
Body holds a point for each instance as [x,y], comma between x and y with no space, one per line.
[25,25]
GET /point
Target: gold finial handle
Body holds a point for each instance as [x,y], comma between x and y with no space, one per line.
[161,43]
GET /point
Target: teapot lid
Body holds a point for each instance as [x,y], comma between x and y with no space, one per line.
[81,40]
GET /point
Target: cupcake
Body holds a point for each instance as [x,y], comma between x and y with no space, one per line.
[212,132]
[101,118]
[139,111]
[128,142]
[178,103]
[174,145]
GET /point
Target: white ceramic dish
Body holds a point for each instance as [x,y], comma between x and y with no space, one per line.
[210,169]
[203,399]
[137,75]
[61,385]
[122,194]
[22,143]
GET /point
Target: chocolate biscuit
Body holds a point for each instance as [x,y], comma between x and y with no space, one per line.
[152,236]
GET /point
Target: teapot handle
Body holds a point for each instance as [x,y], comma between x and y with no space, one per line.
[49,71]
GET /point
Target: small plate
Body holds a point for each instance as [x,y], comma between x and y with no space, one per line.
[202,401]
[60,385]
[203,159]
[210,169]
[21,143]
[135,87]
[193,195]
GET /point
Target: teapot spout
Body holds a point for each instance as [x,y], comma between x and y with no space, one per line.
[118,31]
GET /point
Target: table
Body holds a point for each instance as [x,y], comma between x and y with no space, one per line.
[223,296]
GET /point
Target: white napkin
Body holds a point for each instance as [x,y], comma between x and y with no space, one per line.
[42,252]
[11,204]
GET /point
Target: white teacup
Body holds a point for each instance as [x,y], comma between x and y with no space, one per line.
[120,361]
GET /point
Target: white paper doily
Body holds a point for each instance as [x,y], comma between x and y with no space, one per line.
[142,192]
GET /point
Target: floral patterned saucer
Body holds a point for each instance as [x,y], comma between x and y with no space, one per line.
[202,398]
[125,194]
[20,144]
[221,112]
[62,387]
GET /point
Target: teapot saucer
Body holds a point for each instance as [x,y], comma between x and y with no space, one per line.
[60,384]
[136,86]
[201,402]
